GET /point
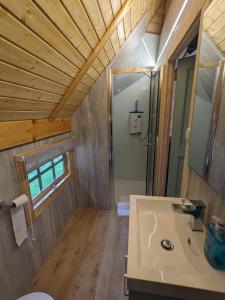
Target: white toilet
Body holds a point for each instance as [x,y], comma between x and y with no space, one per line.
[36,296]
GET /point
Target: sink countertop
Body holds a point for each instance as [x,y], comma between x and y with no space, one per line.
[183,272]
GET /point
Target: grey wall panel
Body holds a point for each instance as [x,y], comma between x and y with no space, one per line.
[91,132]
[19,265]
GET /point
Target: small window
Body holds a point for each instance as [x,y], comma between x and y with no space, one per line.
[46,175]
[43,173]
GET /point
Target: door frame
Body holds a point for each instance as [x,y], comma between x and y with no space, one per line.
[166,100]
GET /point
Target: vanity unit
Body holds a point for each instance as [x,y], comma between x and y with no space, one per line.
[166,256]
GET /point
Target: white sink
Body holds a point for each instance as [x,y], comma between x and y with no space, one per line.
[152,220]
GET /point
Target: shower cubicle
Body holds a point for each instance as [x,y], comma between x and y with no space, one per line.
[134,131]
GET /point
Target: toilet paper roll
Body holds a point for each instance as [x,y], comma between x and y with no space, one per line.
[19,219]
[21,200]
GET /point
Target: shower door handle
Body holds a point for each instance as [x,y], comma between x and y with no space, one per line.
[148,144]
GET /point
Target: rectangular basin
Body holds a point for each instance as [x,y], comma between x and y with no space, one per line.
[164,250]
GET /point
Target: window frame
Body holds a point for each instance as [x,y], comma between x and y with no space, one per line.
[36,206]
[56,180]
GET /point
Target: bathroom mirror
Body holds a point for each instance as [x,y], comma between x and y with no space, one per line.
[207,141]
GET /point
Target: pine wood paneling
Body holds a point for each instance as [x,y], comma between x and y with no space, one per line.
[115,41]
[93,73]
[106,9]
[103,58]
[97,65]
[12,90]
[18,57]
[83,88]
[30,131]
[6,115]
[52,50]
[32,17]
[77,94]
[88,80]
[22,104]
[109,50]
[45,128]
[134,10]
[127,24]
[121,33]
[60,17]
[116,5]
[119,17]
[214,25]
[16,32]
[81,19]
[95,16]
[18,76]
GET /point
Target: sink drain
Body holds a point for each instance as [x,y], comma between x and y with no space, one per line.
[167,245]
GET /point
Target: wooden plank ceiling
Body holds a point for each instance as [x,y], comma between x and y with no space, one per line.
[214,24]
[53,51]
[156,21]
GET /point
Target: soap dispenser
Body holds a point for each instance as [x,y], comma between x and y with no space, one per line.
[215,243]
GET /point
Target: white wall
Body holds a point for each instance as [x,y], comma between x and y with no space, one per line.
[141,53]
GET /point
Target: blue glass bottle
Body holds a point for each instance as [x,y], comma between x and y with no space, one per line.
[215,245]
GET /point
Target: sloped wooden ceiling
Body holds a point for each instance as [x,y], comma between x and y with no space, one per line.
[156,21]
[52,51]
[214,23]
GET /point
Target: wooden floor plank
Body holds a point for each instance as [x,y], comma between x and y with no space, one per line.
[87,262]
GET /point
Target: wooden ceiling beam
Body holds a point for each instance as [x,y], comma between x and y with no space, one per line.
[132,70]
[119,17]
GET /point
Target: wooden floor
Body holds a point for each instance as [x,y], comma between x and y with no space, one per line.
[87,261]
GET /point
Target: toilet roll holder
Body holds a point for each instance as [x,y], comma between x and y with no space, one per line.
[4,204]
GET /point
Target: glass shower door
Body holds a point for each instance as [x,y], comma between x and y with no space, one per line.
[129,150]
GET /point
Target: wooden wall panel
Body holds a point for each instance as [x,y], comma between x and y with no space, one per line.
[16,56]
[82,20]
[106,10]
[19,265]
[13,90]
[46,46]
[109,50]
[116,5]
[214,25]
[60,17]
[95,16]
[16,32]
[21,132]
[32,17]
[115,42]
[90,128]
[18,76]
[16,104]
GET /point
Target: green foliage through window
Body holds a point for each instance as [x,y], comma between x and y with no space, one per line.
[42,177]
